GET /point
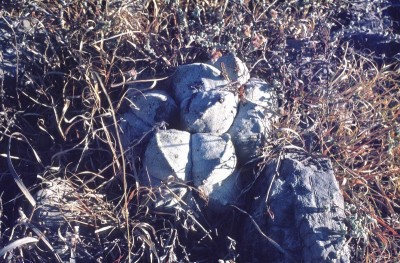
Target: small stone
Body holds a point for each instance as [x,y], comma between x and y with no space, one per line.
[211,111]
[236,70]
[249,131]
[226,192]
[146,112]
[253,123]
[261,93]
[168,153]
[213,158]
[197,77]
[50,200]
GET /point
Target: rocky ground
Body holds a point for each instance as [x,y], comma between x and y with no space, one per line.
[72,184]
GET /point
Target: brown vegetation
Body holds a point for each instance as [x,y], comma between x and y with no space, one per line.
[336,101]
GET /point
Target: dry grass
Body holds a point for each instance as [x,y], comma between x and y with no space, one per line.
[335,102]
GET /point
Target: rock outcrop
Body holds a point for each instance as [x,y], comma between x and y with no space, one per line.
[302,211]
[220,124]
[197,149]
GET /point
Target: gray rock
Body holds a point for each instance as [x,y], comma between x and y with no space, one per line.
[147,110]
[134,131]
[211,111]
[168,167]
[55,204]
[262,94]
[304,213]
[168,154]
[213,159]
[236,70]
[222,194]
[197,77]
[253,122]
[213,170]
[154,106]
[248,131]
[61,208]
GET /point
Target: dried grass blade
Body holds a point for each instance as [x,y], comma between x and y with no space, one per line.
[18,243]
[45,241]
[14,174]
